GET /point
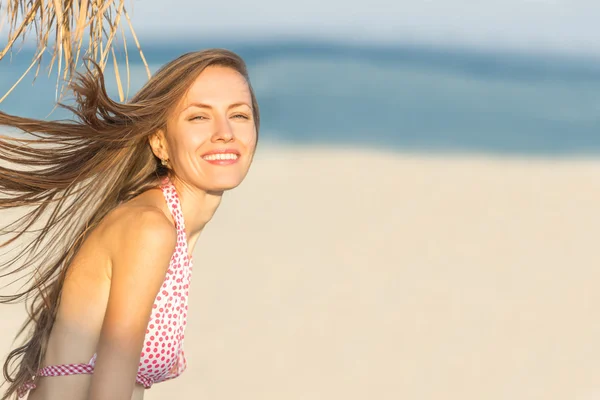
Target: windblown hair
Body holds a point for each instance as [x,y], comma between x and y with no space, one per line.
[78,171]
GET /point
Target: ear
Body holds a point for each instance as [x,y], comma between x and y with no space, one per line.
[158,143]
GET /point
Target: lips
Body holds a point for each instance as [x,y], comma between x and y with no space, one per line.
[221,157]
[221,151]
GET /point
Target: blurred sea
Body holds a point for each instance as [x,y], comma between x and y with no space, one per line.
[404,98]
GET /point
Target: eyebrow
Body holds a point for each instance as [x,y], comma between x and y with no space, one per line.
[202,105]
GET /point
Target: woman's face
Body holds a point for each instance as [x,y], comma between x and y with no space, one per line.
[211,135]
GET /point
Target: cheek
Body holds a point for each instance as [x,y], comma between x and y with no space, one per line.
[248,137]
[189,139]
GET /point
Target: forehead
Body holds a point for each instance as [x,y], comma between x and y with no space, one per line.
[218,85]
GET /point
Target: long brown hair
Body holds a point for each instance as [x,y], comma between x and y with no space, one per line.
[78,171]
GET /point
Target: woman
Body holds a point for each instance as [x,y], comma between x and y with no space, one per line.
[144,179]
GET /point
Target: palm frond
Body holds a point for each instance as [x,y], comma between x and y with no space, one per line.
[61,25]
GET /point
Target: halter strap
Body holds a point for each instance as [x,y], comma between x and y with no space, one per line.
[173,202]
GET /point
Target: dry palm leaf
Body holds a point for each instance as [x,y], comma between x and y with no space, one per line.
[64,26]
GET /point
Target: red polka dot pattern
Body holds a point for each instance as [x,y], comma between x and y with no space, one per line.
[162,355]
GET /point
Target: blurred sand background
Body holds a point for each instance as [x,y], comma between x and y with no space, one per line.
[349,274]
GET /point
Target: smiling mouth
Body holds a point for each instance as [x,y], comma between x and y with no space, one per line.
[221,156]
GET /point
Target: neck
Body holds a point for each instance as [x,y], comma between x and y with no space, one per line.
[198,207]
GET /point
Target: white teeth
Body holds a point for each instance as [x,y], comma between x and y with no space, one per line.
[221,156]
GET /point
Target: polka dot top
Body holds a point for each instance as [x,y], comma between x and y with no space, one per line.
[162,355]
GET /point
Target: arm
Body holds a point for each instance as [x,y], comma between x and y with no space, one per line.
[146,241]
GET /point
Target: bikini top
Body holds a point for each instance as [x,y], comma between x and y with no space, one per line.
[162,355]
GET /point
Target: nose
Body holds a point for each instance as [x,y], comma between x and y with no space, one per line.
[223,131]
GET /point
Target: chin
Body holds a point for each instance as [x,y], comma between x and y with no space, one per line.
[222,186]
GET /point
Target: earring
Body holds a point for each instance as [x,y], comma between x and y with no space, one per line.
[164,162]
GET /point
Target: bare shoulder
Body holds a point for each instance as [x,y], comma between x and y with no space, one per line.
[142,241]
[137,236]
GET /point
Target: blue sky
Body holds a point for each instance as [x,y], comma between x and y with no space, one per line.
[563,26]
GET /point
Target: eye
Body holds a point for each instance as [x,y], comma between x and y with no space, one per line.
[240,116]
[198,118]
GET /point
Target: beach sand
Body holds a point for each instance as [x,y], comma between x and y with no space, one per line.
[349,274]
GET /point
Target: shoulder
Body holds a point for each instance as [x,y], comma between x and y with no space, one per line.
[138,236]
[142,241]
